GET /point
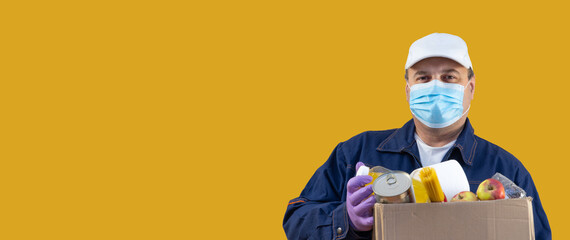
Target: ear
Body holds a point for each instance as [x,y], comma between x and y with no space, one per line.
[472,84]
[407,90]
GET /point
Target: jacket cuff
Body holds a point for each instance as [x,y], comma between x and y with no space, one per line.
[340,223]
[353,234]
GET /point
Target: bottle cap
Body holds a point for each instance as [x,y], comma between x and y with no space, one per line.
[363,170]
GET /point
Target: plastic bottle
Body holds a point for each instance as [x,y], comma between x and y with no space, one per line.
[374,172]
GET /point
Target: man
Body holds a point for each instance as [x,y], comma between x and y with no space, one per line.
[335,204]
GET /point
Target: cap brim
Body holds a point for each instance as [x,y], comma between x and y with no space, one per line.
[411,64]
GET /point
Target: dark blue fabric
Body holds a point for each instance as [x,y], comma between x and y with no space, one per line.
[320,211]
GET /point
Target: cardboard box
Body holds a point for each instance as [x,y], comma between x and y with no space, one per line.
[498,219]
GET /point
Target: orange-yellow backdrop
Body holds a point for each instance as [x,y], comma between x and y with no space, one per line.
[201,119]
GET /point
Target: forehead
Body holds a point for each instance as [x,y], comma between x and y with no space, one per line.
[437,64]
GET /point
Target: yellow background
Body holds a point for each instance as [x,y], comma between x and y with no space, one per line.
[202,119]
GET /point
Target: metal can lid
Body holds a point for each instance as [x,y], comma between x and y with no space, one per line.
[392,184]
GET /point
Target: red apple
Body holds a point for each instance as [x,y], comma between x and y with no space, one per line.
[491,189]
[465,196]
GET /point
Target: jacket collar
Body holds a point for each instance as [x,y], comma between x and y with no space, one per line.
[402,140]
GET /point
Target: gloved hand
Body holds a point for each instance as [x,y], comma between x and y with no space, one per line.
[359,202]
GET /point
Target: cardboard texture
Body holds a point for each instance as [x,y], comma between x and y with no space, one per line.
[496,219]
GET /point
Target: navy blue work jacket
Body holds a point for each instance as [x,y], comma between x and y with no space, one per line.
[320,211]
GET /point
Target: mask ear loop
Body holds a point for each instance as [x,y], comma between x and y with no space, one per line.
[469,104]
[466,111]
[467,83]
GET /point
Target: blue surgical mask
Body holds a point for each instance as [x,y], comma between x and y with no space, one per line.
[437,104]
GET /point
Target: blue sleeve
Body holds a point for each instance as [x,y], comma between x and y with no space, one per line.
[541,225]
[320,211]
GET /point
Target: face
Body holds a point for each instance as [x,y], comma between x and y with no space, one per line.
[445,70]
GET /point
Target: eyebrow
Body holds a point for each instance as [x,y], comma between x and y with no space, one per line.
[444,71]
[420,73]
[451,71]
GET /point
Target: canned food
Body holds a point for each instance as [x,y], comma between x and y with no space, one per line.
[393,187]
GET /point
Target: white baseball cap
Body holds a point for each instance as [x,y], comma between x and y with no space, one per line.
[439,45]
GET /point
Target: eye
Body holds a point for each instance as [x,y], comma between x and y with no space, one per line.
[448,77]
[422,78]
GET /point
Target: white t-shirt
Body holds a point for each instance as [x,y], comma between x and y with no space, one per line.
[431,155]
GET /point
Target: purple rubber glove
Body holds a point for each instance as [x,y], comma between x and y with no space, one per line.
[359,202]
